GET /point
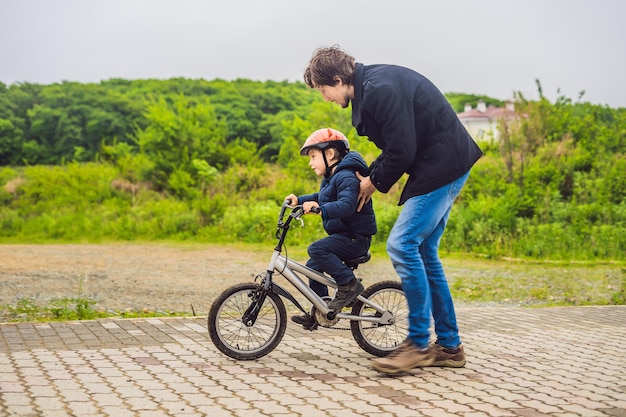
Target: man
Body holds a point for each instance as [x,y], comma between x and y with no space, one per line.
[418,133]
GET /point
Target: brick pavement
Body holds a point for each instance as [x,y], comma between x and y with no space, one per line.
[567,361]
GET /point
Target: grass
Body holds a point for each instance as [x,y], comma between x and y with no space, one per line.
[536,283]
[473,281]
[67,309]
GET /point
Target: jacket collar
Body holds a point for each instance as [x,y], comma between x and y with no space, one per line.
[356,102]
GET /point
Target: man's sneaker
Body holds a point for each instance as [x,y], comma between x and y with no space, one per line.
[345,295]
[307,321]
[407,356]
[446,357]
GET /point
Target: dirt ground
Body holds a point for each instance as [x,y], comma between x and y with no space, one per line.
[136,276]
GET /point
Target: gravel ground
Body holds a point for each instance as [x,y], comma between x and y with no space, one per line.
[137,276]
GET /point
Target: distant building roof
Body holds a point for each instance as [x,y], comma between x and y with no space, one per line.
[482,111]
[482,122]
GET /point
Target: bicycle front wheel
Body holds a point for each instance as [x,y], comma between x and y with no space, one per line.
[238,340]
[380,339]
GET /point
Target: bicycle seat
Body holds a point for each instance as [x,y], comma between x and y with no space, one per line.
[354,262]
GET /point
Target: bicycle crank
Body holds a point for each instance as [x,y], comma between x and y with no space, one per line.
[322,320]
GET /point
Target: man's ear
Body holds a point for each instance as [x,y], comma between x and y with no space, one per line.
[337,80]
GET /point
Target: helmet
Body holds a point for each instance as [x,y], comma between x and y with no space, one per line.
[324,138]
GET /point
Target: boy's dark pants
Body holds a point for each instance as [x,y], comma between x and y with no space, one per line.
[327,254]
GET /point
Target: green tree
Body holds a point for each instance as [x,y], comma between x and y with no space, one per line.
[10,143]
[175,136]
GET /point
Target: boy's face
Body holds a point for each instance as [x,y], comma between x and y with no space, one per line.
[339,93]
[316,162]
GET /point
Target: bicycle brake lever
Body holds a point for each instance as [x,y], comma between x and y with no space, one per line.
[297,214]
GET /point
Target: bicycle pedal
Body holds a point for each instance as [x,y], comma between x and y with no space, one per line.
[311,328]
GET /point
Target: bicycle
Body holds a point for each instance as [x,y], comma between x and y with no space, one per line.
[248,320]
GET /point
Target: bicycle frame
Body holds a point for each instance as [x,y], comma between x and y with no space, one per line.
[289,269]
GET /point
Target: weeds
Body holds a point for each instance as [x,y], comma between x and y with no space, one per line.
[619,297]
[473,281]
[536,283]
[67,309]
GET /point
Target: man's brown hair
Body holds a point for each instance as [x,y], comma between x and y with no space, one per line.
[328,64]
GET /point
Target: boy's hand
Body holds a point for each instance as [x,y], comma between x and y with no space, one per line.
[308,205]
[366,189]
[293,200]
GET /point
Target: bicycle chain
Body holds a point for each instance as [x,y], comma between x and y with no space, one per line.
[342,328]
[333,327]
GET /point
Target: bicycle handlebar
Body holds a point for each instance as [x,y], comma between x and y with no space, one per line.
[296,213]
[287,203]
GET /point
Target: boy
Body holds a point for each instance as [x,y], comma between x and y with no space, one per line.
[349,231]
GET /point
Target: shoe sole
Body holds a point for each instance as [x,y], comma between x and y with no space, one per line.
[395,370]
[448,364]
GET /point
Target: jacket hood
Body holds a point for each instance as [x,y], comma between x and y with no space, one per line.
[353,161]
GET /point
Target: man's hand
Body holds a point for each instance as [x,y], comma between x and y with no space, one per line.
[366,190]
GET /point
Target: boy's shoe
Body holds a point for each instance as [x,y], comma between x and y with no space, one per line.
[307,321]
[407,356]
[345,295]
[445,357]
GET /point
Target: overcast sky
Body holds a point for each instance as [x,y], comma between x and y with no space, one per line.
[492,47]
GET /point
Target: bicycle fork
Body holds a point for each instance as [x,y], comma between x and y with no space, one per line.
[252,312]
[258,298]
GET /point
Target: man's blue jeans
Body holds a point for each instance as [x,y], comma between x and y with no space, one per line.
[413,247]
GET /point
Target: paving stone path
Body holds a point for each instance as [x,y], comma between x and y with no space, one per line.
[568,361]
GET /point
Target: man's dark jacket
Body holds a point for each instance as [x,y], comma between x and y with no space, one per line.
[413,124]
[338,197]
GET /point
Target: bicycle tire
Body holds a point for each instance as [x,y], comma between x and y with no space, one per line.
[236,340]
[380,340]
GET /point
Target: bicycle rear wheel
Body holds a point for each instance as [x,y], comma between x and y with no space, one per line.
[234,338]
[380,339]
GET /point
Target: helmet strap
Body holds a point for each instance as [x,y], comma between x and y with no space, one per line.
[329,168]
[327,173]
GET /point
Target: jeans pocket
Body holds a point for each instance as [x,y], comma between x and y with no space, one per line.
[457,185]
